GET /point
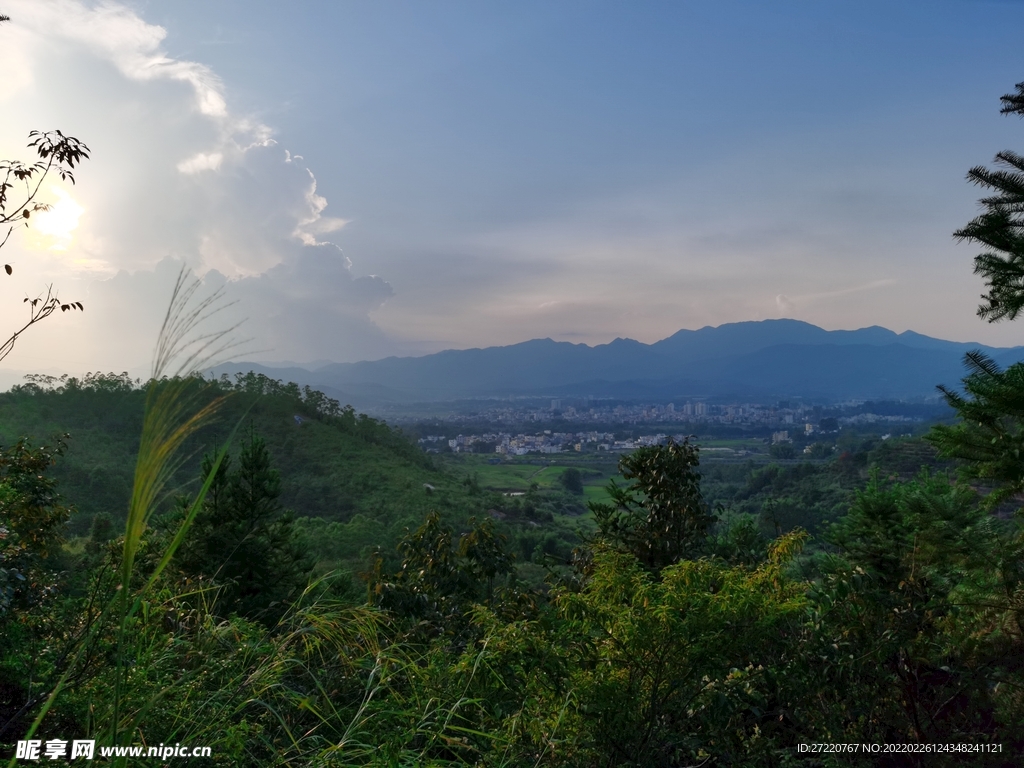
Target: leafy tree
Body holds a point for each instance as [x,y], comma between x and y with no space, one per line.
[801,495]
[782,451]
[989,437]
[439,579]
[661,517]
[637,669]
[32,518]
[243,541]
[572,480]
[101,531]
[820,450]
[738,540]
[102,528]
[829,424]
[901,650]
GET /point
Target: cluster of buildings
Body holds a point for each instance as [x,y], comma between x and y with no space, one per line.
[598,413]
[506,444]
[786,423]
[874,418]
[780,415]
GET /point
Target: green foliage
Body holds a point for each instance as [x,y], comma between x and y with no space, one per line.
[439,580]
[572,480]
[102,528]
[661,517]
[782,451]
[32,519]
[909,631]
[820,450]
[989,437]
[739,541]
[784,498]
[907,457]
[242,541]
[726,658]
[335,464]
[644,671]
[891,614]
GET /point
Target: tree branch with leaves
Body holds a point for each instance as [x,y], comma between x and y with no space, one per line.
[20,183]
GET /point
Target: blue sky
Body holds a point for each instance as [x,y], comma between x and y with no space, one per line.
[487,173]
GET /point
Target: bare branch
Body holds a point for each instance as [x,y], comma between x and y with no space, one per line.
[38,310]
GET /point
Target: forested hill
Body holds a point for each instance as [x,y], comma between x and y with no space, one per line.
[333,463]
[766,359]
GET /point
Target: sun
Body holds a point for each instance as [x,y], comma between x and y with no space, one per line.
[57,224]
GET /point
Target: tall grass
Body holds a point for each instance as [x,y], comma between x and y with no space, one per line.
[174,410]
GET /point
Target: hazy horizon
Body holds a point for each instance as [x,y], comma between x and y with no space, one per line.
[368,180]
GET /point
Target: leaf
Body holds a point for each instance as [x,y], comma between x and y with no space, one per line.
[25,213]
[7,268]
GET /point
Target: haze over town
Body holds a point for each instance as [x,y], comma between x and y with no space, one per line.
[395,178]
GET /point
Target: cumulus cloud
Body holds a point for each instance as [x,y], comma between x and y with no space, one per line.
[176,177]
[116,33]
[315,223]
[201,161]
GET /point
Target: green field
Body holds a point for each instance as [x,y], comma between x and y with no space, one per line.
[732,448]
[518,474]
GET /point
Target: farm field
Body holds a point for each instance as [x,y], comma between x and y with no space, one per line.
[516,475]
[732,448]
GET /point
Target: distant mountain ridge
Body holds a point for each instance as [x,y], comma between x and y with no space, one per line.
[768,358]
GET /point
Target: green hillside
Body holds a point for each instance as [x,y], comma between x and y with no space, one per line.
[353,483]
[333,464]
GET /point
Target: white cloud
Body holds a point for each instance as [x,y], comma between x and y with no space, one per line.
[315,223]
[175,177]
[117,34]
[201,161]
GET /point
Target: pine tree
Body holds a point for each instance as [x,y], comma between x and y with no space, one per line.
[243,540]
[1000,228]
[988,438]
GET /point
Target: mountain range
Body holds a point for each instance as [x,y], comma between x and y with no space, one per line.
[757,359]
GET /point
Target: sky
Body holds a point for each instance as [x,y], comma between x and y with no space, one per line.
[364,179]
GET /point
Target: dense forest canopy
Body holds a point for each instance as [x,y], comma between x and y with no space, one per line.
[490,610]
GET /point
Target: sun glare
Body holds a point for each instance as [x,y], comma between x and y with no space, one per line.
[57,224]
